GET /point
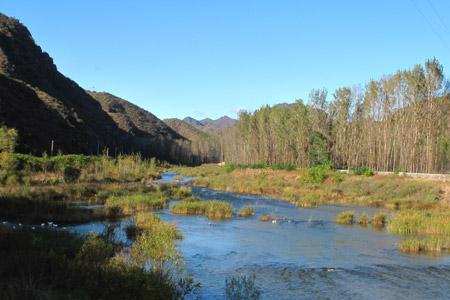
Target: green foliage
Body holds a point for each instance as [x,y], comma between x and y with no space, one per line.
[8,162]
[366,171]
[346,217]
[50,264]
[318,153]
[155,244]
[241,287]
[315,175]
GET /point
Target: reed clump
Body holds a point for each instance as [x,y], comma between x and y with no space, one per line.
[426,245]
[363,219]
[346,218]
[246,211]
[419,222]
[266,218]
[150,222]
[213,210]
[379,220]
[135,202]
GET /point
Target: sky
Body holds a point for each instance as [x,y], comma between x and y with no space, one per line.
[213,58]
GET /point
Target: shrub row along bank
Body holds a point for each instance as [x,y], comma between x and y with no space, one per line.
[213,210]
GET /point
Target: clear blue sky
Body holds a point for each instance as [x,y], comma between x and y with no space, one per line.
[210,58]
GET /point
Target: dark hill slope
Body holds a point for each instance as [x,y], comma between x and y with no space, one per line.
[44,105]
[150,133]
[204,145]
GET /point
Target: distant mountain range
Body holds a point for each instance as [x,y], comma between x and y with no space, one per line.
[211,126]
[45,106]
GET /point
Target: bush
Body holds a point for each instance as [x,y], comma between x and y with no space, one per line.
[316,175]
[366,171]
[241,287]
[71,174]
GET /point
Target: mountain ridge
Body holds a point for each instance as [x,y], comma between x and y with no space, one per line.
[45,107]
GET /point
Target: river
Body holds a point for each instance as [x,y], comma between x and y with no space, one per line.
[304,255]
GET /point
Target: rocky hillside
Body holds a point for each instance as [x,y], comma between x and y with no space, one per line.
[44,105]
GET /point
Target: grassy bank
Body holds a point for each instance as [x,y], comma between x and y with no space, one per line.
[315,186]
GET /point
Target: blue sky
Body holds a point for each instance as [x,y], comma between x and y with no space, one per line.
[211,58]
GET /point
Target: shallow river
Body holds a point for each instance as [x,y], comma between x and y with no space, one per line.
[304,256]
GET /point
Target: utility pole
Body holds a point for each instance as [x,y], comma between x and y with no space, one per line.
[51,148]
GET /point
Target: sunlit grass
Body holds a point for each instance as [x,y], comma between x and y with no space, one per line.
[135,202]
[246,211]
[214,210]
[415,222]
[346,217]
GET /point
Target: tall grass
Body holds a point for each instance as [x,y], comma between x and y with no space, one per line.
[214,210]
[346,217]
[246,211]
[149,222]
[419,222]
[429,244]
[135,202]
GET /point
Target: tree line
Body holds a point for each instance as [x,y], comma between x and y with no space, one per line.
[400,122]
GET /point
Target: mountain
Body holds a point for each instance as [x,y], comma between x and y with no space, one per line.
[44,105]
[211,126]
[193,122]
[221,123]
[204,145]
[186,129]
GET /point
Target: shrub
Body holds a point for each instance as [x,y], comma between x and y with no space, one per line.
[346,217]
[246,211]
[366,171]
[71,174]
[241,287]
[316,175]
